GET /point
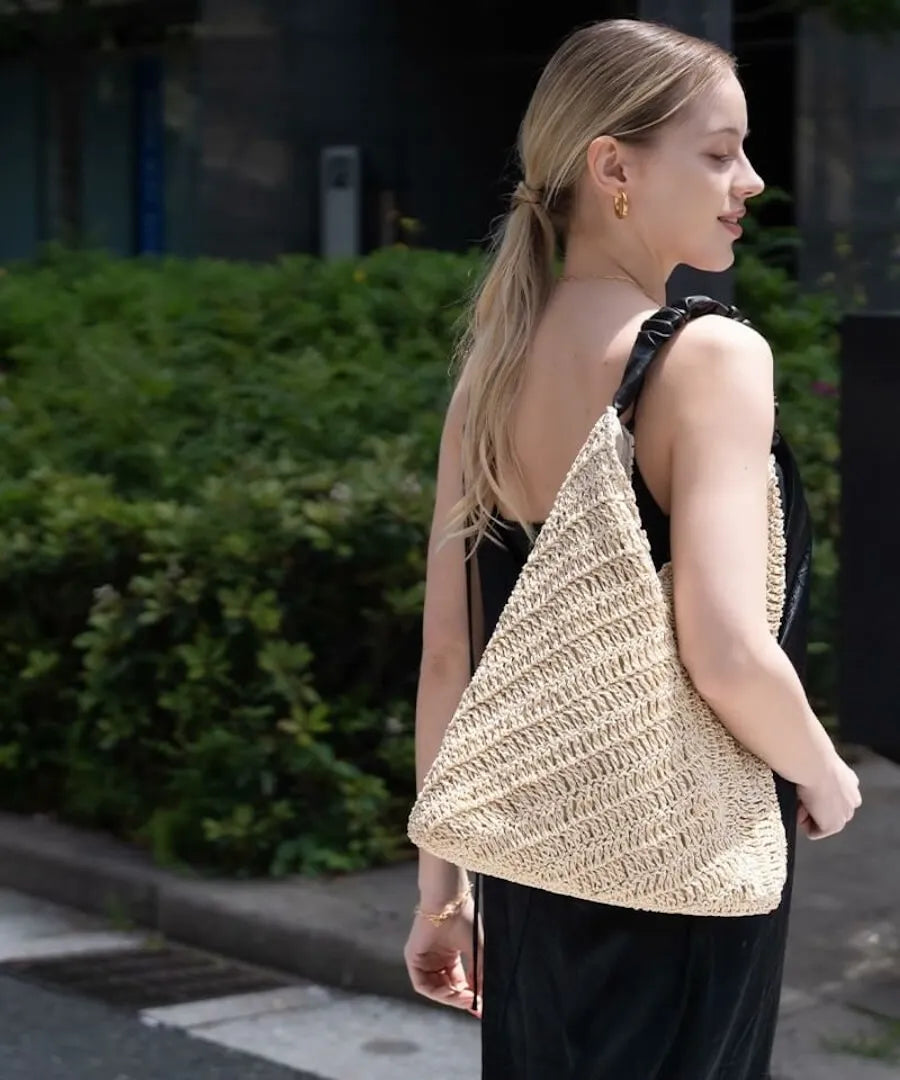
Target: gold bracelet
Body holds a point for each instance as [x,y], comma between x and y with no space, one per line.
[447,912]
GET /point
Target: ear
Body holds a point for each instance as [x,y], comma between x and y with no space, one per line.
[606,164]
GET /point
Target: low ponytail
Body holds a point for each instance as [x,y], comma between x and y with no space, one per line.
[503,317]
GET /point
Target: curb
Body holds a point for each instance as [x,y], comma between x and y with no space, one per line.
[344,932]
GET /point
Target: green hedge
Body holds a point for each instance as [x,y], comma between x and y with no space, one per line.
[215,492]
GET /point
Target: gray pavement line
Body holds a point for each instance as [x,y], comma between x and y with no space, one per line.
[196,1015]
[76,943]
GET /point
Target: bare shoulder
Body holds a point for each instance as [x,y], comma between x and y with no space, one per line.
[719,334]
[716,354]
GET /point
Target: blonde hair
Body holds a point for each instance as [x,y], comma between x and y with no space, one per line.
[619,77]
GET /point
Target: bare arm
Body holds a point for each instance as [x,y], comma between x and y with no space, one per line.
[721,415]
[444,670]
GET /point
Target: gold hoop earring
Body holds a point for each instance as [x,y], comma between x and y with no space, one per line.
[621,204]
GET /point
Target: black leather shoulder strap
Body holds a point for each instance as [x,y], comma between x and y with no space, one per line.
[655,332]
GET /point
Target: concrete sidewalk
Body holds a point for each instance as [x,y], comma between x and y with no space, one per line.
[841,1004]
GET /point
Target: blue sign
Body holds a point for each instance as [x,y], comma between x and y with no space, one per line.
[150,156]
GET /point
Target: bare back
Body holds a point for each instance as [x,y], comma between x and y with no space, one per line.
[573,369]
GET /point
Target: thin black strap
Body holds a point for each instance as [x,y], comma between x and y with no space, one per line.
[469,552]
[655,332]
[476,888]
[469,555]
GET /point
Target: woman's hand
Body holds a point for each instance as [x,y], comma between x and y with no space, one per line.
[440,962]
[825,808]
[804,821]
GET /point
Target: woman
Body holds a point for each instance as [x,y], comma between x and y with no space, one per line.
[632,151]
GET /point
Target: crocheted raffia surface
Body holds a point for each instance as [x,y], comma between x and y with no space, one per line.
[581,759]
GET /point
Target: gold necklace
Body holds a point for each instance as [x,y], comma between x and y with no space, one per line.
[599,277]
[606,277]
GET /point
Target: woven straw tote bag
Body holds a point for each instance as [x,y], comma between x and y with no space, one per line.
[581,759]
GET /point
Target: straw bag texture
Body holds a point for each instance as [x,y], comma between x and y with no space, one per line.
[581,759]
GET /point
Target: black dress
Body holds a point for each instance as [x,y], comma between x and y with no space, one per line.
[575,990]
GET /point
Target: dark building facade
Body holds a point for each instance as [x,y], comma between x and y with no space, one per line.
[430,94]
[260,127]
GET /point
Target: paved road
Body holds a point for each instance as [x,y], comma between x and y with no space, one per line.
[50,1036]
[299,1031]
